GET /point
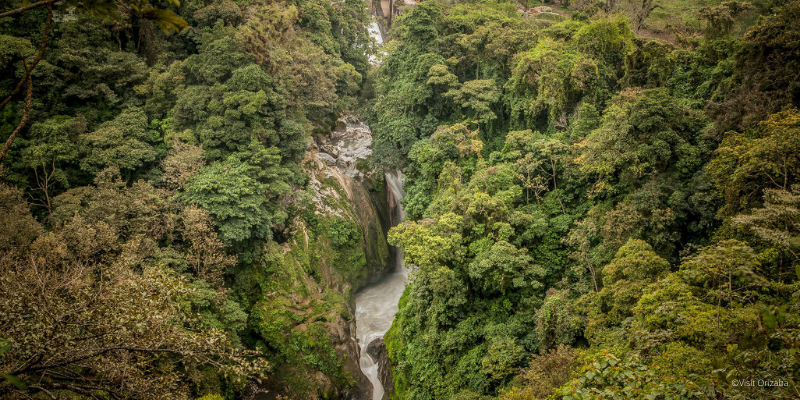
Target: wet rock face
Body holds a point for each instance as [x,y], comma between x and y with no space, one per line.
[377,350]
[345,146]
[314,300]
[335,158]
[341,333]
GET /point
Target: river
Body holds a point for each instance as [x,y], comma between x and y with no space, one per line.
[376,305]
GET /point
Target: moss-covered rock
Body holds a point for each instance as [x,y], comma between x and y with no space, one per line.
[303,318]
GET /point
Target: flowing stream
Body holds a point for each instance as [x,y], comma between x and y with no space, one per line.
[376,304]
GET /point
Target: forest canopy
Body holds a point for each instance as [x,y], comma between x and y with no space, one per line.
[603,198]
[616,207]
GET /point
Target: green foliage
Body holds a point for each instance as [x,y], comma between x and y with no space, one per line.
[13,48]
[610,377]
[123,142]
[625,279]
[19,228]
[211,397]
[344,233]
[642,134]
[563,190]
[180,152]
[776,223]
[502,267]
[295,335]
[765,76]
[547,373]
[239,192]
[557,322]
[557,210]
[726,270]
[747,164]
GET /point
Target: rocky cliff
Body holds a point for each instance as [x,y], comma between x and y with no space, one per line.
[377,350]
[334,246]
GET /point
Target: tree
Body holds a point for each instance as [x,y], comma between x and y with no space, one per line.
[547,372]
[240,193]
[534,153]
[478,96]
[766,76]
[557,323]
[205,253]
[643,8]
[778,222]
[721,18]
[88,314]
[580,239]
[142,9]
[635,267]
[502,358]
[745,165]
[608,376]
[18,228]
[182,162]
[136,211]
[643,133]
[124,142]
[550,79]
[76,327]
[52,149]
[504,267]
[726,270]
[430,243]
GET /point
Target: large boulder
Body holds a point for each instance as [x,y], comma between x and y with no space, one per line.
[377,350]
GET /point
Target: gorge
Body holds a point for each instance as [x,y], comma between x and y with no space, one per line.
[399,199]
[376,304]
[337,156]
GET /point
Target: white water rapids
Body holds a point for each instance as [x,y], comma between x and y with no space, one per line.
[375,31]
[376,305]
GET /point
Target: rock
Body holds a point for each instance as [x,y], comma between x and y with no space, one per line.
[341,332]
[377,350]
[329,160]
[338,188]
[349,143]
[333,160]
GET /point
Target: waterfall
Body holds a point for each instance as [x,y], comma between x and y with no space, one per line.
[376,305]
[375,31]
[394,182]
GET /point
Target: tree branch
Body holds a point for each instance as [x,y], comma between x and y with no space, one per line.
[22,122]
[28,7]
[39,55]
[98,353]
[43,390]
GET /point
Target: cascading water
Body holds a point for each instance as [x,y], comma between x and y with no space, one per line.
[375,31]
[376,305]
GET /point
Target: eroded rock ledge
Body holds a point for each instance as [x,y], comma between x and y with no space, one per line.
[335,245]
[377,350]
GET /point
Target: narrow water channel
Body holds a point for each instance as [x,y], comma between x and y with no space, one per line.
[376,305]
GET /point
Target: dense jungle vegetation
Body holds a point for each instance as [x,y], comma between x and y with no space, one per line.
[156,169]
[594,214]
[603,199]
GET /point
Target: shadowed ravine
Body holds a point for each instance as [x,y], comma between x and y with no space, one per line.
[376,304]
